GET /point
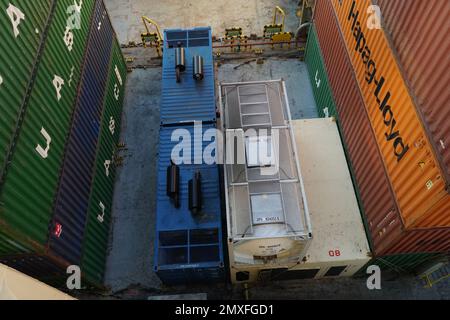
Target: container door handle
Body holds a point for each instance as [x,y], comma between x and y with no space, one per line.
[44,152]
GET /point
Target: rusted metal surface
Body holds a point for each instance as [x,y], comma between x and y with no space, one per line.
[378,200]
[418,34]
[414,30]
[413,169]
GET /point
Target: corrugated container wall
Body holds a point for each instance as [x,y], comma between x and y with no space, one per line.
[188,246]
[22,29]
[72,200]
[418,31]
[323,95]
[70,130]
[415,30]
[318,75]
[401,263]
[189,99]
[378,199]
[100,204]
[30,185]
[413,170]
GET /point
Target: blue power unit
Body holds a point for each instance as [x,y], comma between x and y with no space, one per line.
[188,245]
[71,204]
[188,100]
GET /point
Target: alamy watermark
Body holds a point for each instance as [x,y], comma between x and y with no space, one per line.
[258,148]
[374,280]
[74,279]
[374,19]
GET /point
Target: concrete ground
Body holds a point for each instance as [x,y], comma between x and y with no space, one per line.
[130,263]
[134,201]
[250,15]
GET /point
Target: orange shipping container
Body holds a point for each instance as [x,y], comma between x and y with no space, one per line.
[378,203]
[414,172]
[418,31]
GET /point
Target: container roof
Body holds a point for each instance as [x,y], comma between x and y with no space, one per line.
[265,194]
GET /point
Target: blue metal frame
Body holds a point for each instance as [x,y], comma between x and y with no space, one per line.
[188,100]
[168,218]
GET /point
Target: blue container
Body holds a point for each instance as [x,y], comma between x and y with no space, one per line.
[70,210]
[188,246]
[189,100]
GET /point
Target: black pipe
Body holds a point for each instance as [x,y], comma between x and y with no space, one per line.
[173,184]
[198,68]
[195,194]
[180,61]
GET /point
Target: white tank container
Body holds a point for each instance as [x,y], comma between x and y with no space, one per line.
[267,212]
[339,247]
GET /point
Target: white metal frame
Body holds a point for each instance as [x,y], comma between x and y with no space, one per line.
[288,126]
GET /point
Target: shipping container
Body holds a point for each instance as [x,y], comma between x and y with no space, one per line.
[267,209]
[378,200]
[27,195]
[412,167]
[188,244]
[188,100]
[323,95]
[418,35]
[22,33]
[339,246]
[98,223]
[18,286]
[71,203]
[318,76]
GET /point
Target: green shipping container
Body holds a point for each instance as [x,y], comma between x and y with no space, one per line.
[401,263]
[27,196]
[100,206]
[318,76]
[22,31]
[324,98]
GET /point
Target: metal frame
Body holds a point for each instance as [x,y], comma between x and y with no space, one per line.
[232,234]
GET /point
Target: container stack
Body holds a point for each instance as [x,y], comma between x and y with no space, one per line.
[188,244]
[393,119]
[62,126]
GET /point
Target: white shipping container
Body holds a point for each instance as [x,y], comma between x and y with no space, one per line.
[339,247]
[15,285]
[267,211]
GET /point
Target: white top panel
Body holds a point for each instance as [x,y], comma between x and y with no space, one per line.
[15,285]
[335,218]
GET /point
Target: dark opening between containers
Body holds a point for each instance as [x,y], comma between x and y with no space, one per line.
[204,254]
[282,274]
[335,271]
[169,256]
[204,236]
[242,276]
[173,238]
